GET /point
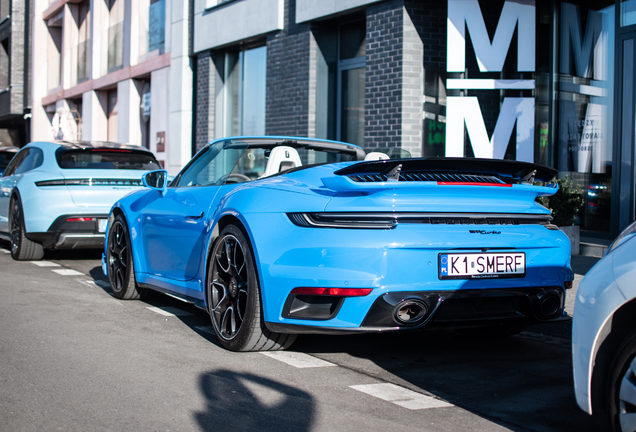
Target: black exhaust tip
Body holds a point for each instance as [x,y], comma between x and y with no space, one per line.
[410,312]
[548,305]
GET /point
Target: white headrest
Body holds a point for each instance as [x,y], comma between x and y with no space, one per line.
[280,159]
[376,156]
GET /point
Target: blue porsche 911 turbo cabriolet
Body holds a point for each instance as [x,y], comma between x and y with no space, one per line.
[279,236]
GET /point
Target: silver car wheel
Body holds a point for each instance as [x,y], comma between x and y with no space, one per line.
[627,399]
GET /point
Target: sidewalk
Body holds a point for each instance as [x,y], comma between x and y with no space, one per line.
[594,244]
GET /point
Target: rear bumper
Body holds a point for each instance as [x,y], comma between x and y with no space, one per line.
[68,240]
[438,309]
[64,234]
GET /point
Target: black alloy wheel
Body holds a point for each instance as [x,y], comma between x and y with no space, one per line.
[121,272]
[234,300]
[229,296]
[22,249]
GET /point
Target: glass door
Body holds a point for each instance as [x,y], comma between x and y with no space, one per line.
[351,103]
[624,179]
[585,106]
[351,82]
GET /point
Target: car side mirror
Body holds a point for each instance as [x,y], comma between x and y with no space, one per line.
[157,180]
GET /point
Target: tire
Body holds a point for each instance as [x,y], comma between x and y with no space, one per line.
[22,249]
[494,331]
[119,259]
[234,298]
[621,389]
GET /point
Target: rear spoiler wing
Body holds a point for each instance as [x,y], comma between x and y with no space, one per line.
[507,170]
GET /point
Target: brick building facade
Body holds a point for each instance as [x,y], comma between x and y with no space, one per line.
[304,78]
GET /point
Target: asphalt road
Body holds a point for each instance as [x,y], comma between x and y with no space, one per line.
[74,358]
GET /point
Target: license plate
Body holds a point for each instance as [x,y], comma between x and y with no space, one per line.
[482,265]
[102,224]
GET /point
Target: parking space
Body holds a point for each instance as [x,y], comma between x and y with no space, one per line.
[155,364]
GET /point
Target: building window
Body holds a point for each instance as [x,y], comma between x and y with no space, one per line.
[83,46]
[434,133]
[340,75]
[115,34]
[351,63]
[54,48]
[152,28]
[4,64]
[75,118]
[5,9]
[628,12]
[156,24]
[145,112]
[240,83]
[111,115]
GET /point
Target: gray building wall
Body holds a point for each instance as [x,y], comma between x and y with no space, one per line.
[288,77]
[383,87]
[13,102]
[202,101]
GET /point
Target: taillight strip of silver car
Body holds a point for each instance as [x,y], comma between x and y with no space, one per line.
[90,182]
[391,220]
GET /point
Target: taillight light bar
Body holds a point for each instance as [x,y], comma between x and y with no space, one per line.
[51,183]
[90,182]
[340,292]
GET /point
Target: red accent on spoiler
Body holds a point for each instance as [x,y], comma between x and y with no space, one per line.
[110,150]
[344,292]
[474,184]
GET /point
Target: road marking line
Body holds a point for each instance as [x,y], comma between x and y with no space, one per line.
[169,311]
[94,283]
[159,311]
[45,264]
[68,272]
[401,396]
[5,251]
[298,360]
[101,283]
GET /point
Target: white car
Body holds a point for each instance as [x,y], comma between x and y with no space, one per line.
[604,335]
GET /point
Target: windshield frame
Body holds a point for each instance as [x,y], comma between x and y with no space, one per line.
[353,152]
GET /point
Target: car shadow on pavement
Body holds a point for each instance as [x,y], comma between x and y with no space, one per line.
[522,382]
[196,319]
[97,274]
[248,402]
[73,254]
